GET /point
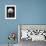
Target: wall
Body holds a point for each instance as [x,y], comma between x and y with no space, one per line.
[27,12]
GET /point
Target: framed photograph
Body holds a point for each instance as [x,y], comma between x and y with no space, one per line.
[10,11]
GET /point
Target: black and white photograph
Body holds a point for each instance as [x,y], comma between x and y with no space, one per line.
[10,12]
